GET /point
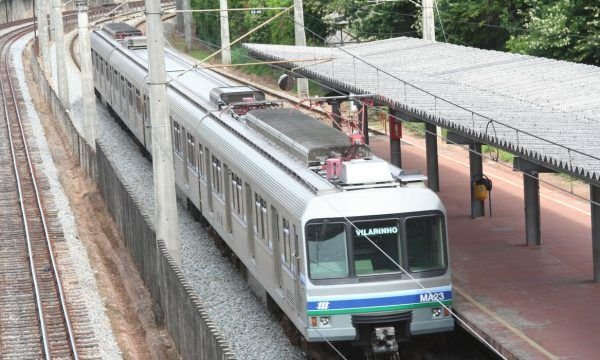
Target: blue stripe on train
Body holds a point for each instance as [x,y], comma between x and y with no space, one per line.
[415,298]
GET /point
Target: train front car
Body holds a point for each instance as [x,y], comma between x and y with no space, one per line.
[377,267]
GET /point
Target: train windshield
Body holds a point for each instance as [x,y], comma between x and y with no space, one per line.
[342,248]
[425,243]
[327,250]
[376,247]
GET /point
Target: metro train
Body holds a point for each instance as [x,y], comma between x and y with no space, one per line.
[349,247]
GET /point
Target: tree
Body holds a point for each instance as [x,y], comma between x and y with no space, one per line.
[563,29]
[482,24]
[208,25]
[370,21]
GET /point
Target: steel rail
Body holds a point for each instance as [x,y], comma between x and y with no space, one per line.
[56,277]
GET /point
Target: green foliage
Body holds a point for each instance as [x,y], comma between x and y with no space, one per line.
[280,31]
[563,29]
[483,24]
[368,21]
[560,29]
[207,23]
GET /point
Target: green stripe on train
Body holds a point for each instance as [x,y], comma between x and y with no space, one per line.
[377,308]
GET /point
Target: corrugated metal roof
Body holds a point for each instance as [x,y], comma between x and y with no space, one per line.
[544,110]
[301,135]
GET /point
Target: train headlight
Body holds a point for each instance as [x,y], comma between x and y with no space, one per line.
[325,321]
[436,312]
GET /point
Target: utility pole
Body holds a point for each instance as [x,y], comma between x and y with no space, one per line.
[300,36]
[162,147]
[179,16]
[226,52]
[187,24]
[61,54]
[87,82]
[44,25]
[429,34]
[428,21]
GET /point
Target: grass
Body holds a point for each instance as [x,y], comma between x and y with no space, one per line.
[498,154]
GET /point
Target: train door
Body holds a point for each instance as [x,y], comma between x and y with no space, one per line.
[208,168]
[227,191]
[276,247]
[112,92]
[250,221]
[185,135]
[200,168]
[139,113]
[296,262]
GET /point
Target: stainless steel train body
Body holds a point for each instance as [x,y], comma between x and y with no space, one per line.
[307,241]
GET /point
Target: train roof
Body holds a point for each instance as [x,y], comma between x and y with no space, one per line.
[301,135]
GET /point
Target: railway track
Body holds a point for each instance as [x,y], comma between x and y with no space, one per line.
[35,320]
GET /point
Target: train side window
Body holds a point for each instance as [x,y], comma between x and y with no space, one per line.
[177,138]
[236,195]
[260,206]
[287,249]
[123,86]
[208,177]
[191,150]
[294,250]
[107,70]
[201,169]
[217,175]
[138,101]
[130,93]
[146,106]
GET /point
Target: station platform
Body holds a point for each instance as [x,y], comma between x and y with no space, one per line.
[529,302]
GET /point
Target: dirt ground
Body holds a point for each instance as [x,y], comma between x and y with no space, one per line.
[127,300]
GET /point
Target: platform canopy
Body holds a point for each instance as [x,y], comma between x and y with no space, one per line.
[545,111]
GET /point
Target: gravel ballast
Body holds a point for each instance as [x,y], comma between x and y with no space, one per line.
[248,326]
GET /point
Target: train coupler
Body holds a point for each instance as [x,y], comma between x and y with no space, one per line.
[383,340]
[380,333]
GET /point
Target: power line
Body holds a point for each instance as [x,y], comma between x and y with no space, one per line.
[432,133]
[400,267]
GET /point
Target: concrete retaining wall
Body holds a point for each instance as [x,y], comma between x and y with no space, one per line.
[184,316]
[194,334]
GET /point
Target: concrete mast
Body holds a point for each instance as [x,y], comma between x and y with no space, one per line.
[42,23]
[61,54]
[162,148]
[226,53]
[187,24]
[428,21]
[87,82]
[300,36]
[45,37]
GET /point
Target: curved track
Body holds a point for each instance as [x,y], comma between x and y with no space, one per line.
[37,319]
[35,322]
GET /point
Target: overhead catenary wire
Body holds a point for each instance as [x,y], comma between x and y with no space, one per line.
[481,154]
[452,103]
[465,324]
[424,131]
[440,20]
